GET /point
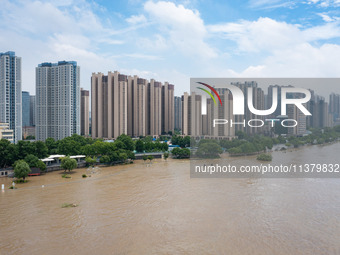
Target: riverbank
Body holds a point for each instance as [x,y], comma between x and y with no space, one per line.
[140,209]
[99,171]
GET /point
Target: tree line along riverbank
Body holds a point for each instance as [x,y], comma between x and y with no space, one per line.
[123,148]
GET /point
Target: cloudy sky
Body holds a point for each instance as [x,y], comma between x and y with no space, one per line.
[175,40]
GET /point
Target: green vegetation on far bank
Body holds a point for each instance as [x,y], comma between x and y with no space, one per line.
[264,157]
[246,145]
[180,153]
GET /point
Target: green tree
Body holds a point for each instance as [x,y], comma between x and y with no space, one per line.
[52,146]
[21,169]
[41,150]
[69,146]
[180,153]
[131,155]
[264,157]
[139,145]
[241,135]
[68,163]
[185,153]
[235,150]
[8,153]
[123,156]
[41,165]
[90,161]
[176,152]
[164,146]
[186,142]
[209,150]
[127,140]
[104,159]
[31,160]
[89,150]
[150,158]
[145,158]
[166,155]
[25,148]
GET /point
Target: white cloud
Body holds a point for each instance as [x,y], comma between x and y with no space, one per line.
[153,42]
[136,19]
[166,41]
[271,4]
[52,31]
[184,27]
[303,60]
[325,17]
[328,18]
[325,3]
[261,35]
[282,49]
[269,35]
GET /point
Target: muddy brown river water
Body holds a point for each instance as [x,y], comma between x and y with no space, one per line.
[159,209]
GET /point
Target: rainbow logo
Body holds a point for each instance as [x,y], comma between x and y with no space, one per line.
[209,93]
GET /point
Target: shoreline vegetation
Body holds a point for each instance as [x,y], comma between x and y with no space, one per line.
[26,155]
[246,145]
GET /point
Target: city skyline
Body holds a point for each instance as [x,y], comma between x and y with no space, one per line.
[137,38]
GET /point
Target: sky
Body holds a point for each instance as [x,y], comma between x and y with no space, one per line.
[175,40]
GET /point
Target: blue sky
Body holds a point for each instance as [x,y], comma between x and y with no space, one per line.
[175,40]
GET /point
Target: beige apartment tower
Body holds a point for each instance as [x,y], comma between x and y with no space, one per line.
[109,105]
[130,105]
[217,111]
[168,108]
[191,114]
[137,103]
[84,112]
[154,108]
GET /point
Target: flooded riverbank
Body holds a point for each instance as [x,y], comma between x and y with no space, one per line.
[159,209]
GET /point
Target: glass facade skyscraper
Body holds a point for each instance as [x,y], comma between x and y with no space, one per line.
[26,114]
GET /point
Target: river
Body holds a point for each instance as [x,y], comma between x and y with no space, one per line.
[159,209]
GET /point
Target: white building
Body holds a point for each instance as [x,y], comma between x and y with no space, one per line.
[57,100]
[10,92]
[6,133]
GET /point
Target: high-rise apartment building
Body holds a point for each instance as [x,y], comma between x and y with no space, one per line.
[257,96]
[26,113]
[84,112]
[57,100]
[178,113]
[130,105]
[32,111]
[108,105]
[137,104]
[295,114]
[217,111]
[320,117]
[334,106]
[10,93]
[192,114]
[154,108]
[168,108]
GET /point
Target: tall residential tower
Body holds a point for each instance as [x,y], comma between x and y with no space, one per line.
[85,112]
[10,93]
[57,100]
[108,105]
